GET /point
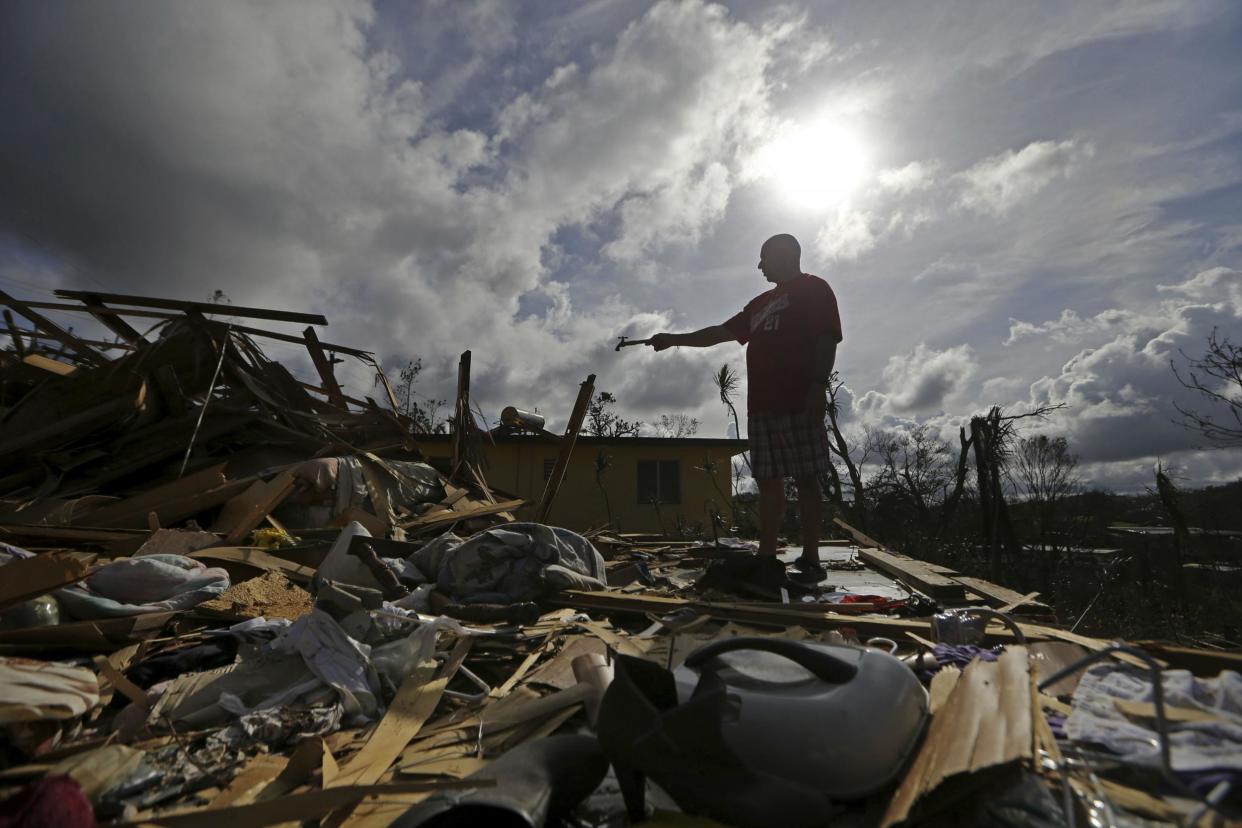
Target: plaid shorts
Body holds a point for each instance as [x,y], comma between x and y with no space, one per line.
[788,445]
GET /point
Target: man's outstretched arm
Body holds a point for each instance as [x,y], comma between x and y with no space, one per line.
[703,338]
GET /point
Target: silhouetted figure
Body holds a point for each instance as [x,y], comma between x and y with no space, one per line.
[791,333]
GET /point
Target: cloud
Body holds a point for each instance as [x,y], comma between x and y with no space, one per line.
[920,381]
[1119,396]
[917,175]
[1069,327]
[847,234]
[997,184]
[292,155]
[1213,285]
[948,270]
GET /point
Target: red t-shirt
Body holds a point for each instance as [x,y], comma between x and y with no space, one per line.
[780,329]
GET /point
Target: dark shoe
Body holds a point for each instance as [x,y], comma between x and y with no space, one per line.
[535,782]
[808,571]
[645,732]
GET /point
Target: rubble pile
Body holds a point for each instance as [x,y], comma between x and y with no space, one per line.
[228,596]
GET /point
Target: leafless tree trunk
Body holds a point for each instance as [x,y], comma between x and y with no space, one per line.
[1217,376]
[841,449]
[1181,532]
[1045,468]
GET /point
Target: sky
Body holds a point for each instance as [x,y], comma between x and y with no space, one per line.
[1016,203]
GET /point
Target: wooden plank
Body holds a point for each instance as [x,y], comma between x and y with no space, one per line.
[859,538]
[147,314]
[18,346]
[52,366]
[178,509]
[481,482]
[69,534]
[916,574]
[323,366]
[295,808]
[18,333]
[1020,601]
[246,511]
[478,510]
[568,441]
[27,578]
[111,321]
[249,781]
[259,559]
[200,307]
[413,705]
[149,500]
[985,722]
[53,331]
[1200,661]
[461,413]
[100,635]
[75,425]
[997,595]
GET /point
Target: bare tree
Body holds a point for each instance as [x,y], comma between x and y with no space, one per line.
[602,421]
[992,436]
[425,412]
[1046,471]
[676,425]
[919,469]
[840,448]
[1217,376]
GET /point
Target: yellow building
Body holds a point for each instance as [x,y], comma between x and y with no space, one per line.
[648,484]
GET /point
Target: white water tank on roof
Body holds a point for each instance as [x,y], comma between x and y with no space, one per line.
[517,418]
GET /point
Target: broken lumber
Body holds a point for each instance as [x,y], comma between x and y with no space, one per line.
[917,574]
[27,578]
[176,304]
[567,446]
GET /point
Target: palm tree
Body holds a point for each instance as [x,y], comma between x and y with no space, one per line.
[726,381]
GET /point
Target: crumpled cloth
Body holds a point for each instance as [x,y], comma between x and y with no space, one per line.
[33,690]
[50,802]
[336,659]
[1196,746]
[511,563]
[152,583]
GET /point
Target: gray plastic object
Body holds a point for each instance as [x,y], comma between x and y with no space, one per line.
[841,719]
[42,611]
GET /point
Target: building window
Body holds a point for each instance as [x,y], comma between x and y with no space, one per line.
[549,463]
[659,480]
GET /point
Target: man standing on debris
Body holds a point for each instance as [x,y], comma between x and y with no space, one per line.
[791,333]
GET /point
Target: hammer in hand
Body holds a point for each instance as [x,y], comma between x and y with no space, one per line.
[623,342]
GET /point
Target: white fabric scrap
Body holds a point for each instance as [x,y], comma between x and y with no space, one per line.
[1195,746]
[335,658]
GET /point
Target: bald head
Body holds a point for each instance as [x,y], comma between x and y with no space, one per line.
[780,258]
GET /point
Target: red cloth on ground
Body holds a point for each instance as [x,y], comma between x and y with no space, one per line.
[881,602]
[780,329]
[51,802]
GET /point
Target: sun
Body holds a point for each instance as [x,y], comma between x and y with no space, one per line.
[816,166]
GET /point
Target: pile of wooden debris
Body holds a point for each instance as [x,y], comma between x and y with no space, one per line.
[232,597]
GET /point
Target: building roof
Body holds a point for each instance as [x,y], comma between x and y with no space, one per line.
[547,437]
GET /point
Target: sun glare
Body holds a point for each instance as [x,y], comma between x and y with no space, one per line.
[817,166]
